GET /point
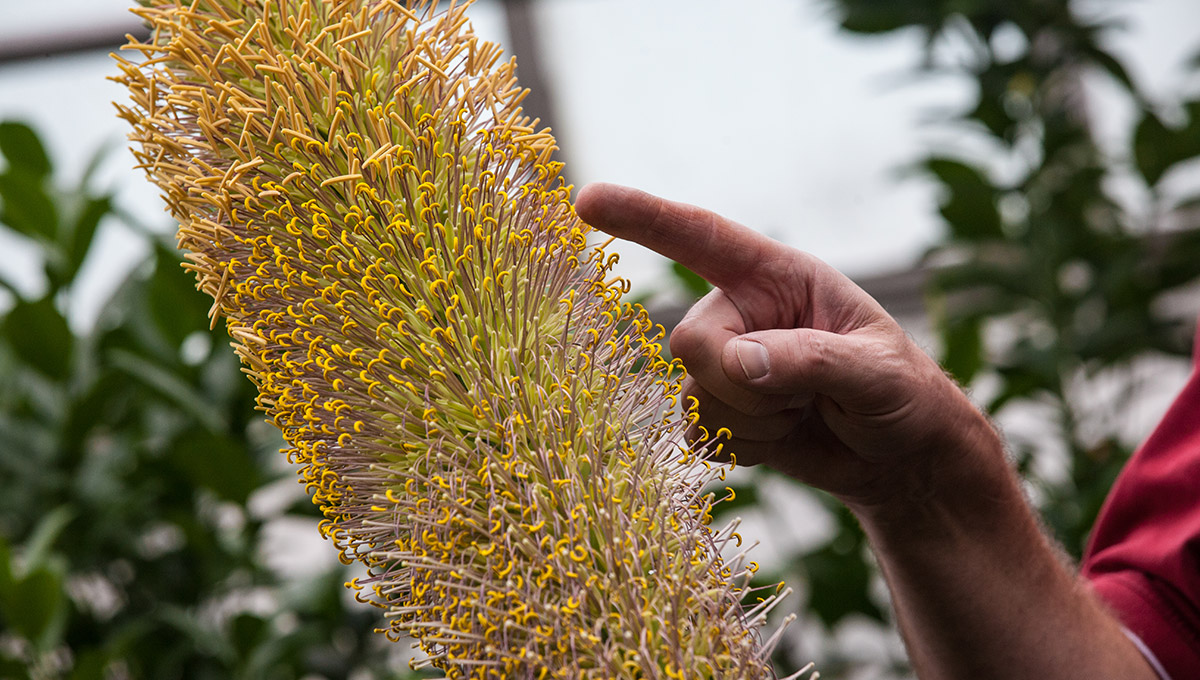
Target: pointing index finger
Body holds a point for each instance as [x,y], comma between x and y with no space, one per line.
[718,249]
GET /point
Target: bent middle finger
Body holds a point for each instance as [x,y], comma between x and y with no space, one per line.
[716,414]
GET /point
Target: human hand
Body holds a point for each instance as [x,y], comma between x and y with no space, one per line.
[806,370]
[815,379]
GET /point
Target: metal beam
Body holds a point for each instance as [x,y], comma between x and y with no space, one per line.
[521,20]
[24,49]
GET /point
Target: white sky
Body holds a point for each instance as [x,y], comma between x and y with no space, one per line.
[766,114]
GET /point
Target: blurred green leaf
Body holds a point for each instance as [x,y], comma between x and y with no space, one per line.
[883,16]
[27,208]
[1018,381]
[33,603]
[90,407]
[94,161]
[170,385]
[23,150]
[38,548]
[1157,148]
[1119,337]
[176,306]
[6,573]
[216,462]
[39,336]
[247,632]
[994,117]
[12,668]
[969,206]
[84,231]
[840,579]
[89,665]
[1178,264]
[962,339]
[1151,148]
[1112,66]
[692,282]
[996,289]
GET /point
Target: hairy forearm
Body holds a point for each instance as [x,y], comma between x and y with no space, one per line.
[979,590]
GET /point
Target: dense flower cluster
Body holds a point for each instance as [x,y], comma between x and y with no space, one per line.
[478,415]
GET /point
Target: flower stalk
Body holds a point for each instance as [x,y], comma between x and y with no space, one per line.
[481,419]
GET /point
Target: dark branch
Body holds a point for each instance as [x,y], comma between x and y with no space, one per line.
[87,39]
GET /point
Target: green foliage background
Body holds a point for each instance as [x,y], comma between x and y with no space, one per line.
[129,458]
[133,464]
[1044,286]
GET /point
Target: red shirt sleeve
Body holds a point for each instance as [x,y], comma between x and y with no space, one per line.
[1143,558]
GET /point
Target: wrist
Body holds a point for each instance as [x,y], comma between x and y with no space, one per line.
[977,586]
[961,483]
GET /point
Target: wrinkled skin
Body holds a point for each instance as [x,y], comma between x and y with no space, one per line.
[813,378]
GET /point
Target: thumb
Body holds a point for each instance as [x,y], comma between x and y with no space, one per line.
[804,361]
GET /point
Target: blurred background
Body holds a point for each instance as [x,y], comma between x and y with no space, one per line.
[1016,181]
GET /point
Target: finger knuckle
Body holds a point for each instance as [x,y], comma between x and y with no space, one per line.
[817,358]
[759,405]
[687,339]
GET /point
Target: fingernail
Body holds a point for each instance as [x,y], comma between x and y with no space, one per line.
[753,358]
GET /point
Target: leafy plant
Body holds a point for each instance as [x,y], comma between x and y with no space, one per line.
[1049,257]
[1046,290]
[129,462]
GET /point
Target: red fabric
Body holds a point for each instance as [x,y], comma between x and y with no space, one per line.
[1144,555]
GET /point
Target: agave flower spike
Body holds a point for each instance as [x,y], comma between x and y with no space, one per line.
[484,424]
